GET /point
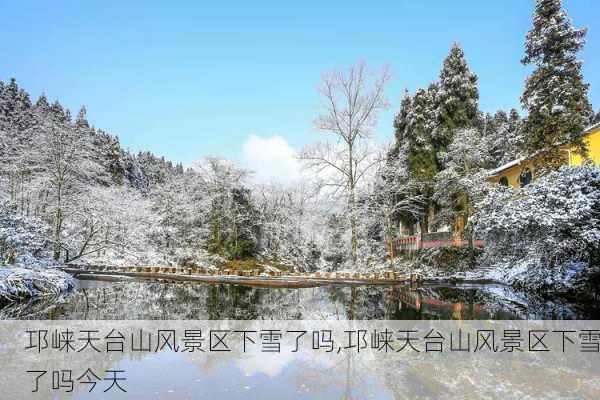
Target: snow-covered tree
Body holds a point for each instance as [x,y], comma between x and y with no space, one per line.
[399,182]
[351,104]
[396,198]
[179,222]
[104,225]
[23,240]
[62,156]
[427,123]
[555,96]
[420,124]
[503,134]
[461,184]
[458,99]
[81,120]
[18,147]
[541,229]
[419,148]
[290,221]
[400,123]
[231,213]
[241,239]
[335,252]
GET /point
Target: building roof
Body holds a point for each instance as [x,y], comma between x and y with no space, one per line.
[512,163]
[591,128]
[518,161]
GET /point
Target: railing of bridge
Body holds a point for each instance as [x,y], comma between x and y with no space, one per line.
[413,243]
[251,273]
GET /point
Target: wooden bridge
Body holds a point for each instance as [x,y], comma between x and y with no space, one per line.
[244,277]
[411,244]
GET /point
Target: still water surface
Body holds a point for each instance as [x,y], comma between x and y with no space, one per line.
[168,375]
[139,299]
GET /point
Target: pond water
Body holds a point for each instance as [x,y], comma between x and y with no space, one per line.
[146,299]
[301,375]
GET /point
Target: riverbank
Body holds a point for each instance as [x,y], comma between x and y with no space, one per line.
[18,283]
[571,280]
[275,278]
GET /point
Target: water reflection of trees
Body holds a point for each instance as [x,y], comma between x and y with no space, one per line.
[178,300]
[348,375]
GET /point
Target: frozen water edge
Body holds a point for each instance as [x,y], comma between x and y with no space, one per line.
[17,283]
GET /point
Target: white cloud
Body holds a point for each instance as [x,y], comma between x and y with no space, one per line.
[272,159]
[254,363]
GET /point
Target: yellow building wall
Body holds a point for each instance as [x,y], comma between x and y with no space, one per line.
[513,173]
[592,140]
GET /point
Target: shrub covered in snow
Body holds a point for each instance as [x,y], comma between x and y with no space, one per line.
[25,258]
[19,283]
[544,229]
[23,240]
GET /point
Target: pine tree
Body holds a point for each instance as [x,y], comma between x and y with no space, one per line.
[458,100]
[503,136]
[81,121]
[555,95]
[418,133]
[421,159]
[459,185]
[398,184]
[58,113]
[335,250]
[241,234]
[457,109]
[515,140]
[42,105]
[400,122]
[8,104]
[492,132]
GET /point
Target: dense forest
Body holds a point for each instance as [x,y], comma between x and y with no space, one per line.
[73,186]
[69,192]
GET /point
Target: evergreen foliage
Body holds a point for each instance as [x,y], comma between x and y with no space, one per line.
[426,124]
[555,95]
[553,222]
[458,99]
[504,136]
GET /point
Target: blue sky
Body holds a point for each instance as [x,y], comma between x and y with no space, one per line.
[188,79]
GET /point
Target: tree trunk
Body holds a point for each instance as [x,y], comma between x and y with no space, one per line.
[353,228]
[56,235]
[58,220]
[424,222]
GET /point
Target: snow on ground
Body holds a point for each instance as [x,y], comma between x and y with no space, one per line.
[531,275]
[19,283]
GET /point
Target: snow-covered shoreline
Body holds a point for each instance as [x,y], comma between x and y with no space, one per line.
[18,283]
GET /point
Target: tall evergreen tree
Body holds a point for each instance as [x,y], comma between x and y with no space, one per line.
[81,121]
[420,150]
[398,184]
[503,136]
[459,185]
[555,95]
[42,107]
[457,99]
[419,128]
[515,140]
[457,109]
[335,251]
[400,122]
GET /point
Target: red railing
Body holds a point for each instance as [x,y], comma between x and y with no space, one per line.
[412,243]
